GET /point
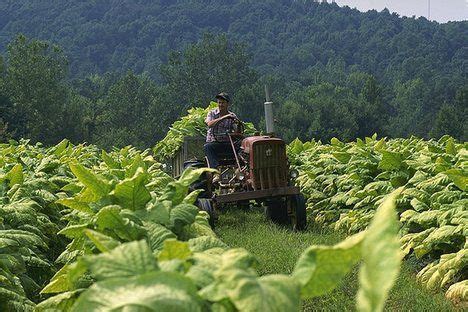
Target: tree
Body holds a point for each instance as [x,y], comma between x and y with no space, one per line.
[6,108]
[451,119]
[408,114]
[321,111]
[35,83]
[204,69]
[371,114]
[131,114]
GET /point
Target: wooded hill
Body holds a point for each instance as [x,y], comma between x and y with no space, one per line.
[335,71]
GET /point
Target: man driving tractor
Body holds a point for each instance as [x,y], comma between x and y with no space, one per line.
[217,142]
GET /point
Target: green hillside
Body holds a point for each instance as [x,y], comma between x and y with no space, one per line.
[334,72]
[283,36]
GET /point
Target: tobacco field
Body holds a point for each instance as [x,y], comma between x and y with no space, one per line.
[82,229]
[345,183]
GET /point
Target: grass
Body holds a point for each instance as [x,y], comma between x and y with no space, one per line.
[277,250]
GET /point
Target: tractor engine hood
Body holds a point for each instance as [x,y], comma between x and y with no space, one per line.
[247,143]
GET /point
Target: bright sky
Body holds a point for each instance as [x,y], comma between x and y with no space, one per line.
[441,10]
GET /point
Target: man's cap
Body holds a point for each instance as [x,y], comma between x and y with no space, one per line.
[224,96]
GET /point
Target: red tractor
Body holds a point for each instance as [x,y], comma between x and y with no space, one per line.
[254,168]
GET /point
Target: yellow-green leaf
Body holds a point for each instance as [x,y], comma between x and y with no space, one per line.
[92,181]
[321,268]
[381,257]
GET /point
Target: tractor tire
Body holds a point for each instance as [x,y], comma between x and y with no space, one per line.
[202,183]
[243,205]
[276,211]
[206,204]
[298,204]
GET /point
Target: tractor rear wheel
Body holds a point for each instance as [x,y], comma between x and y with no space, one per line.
[202,183]
[299,216]
[276,210]
[206,204]
[243,205]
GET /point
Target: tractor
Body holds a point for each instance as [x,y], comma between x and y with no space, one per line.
[254,168]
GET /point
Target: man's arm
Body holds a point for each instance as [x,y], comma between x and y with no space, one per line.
[211,122]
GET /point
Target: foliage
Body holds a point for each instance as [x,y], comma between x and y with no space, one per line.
[134,237]
[344,184]
[132,102]
[31,181]
[204,69]
[34,82]
[334,72]
[191,125]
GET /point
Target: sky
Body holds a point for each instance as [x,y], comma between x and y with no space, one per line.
[441,10]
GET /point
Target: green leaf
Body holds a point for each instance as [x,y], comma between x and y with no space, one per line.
[380,144]
[192,197]
[459,178]
[136,164]
[191,175]
[96,184]
[15,175]
[157,291]
[76,205]
[110,218]
[418,205]
[450,147]
[12,301]
[103,242]
[22,238]
[182,215]
[132,193]
[336,142]
[157,234]
[73,231]
[126,260]
[158,212]
[204,243]
[438,274]
[342,157]
[174,249]
[110,162]
[250,293]
[58,303]
[458,293]
[381,257]
[65,279]
[321,268]
[201,271]
[390,161]
[201,226]
[296,146]
[61,147]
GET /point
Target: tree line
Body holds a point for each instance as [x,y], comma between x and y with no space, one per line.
[123,71]
[39,100]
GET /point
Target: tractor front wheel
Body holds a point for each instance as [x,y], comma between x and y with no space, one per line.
[276,210]
[206,204]
[243,205]
[298,214]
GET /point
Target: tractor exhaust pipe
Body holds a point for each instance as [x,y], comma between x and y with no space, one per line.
[270,127]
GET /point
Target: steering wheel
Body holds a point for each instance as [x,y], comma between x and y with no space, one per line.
[236,129]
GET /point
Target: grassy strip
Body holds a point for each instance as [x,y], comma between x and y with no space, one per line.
[277,250]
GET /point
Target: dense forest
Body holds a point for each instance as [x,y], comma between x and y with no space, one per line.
[118,72]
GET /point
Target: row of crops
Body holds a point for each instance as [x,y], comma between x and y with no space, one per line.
[345,183]
[86,230]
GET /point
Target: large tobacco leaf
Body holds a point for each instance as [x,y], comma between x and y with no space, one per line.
[155,291]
